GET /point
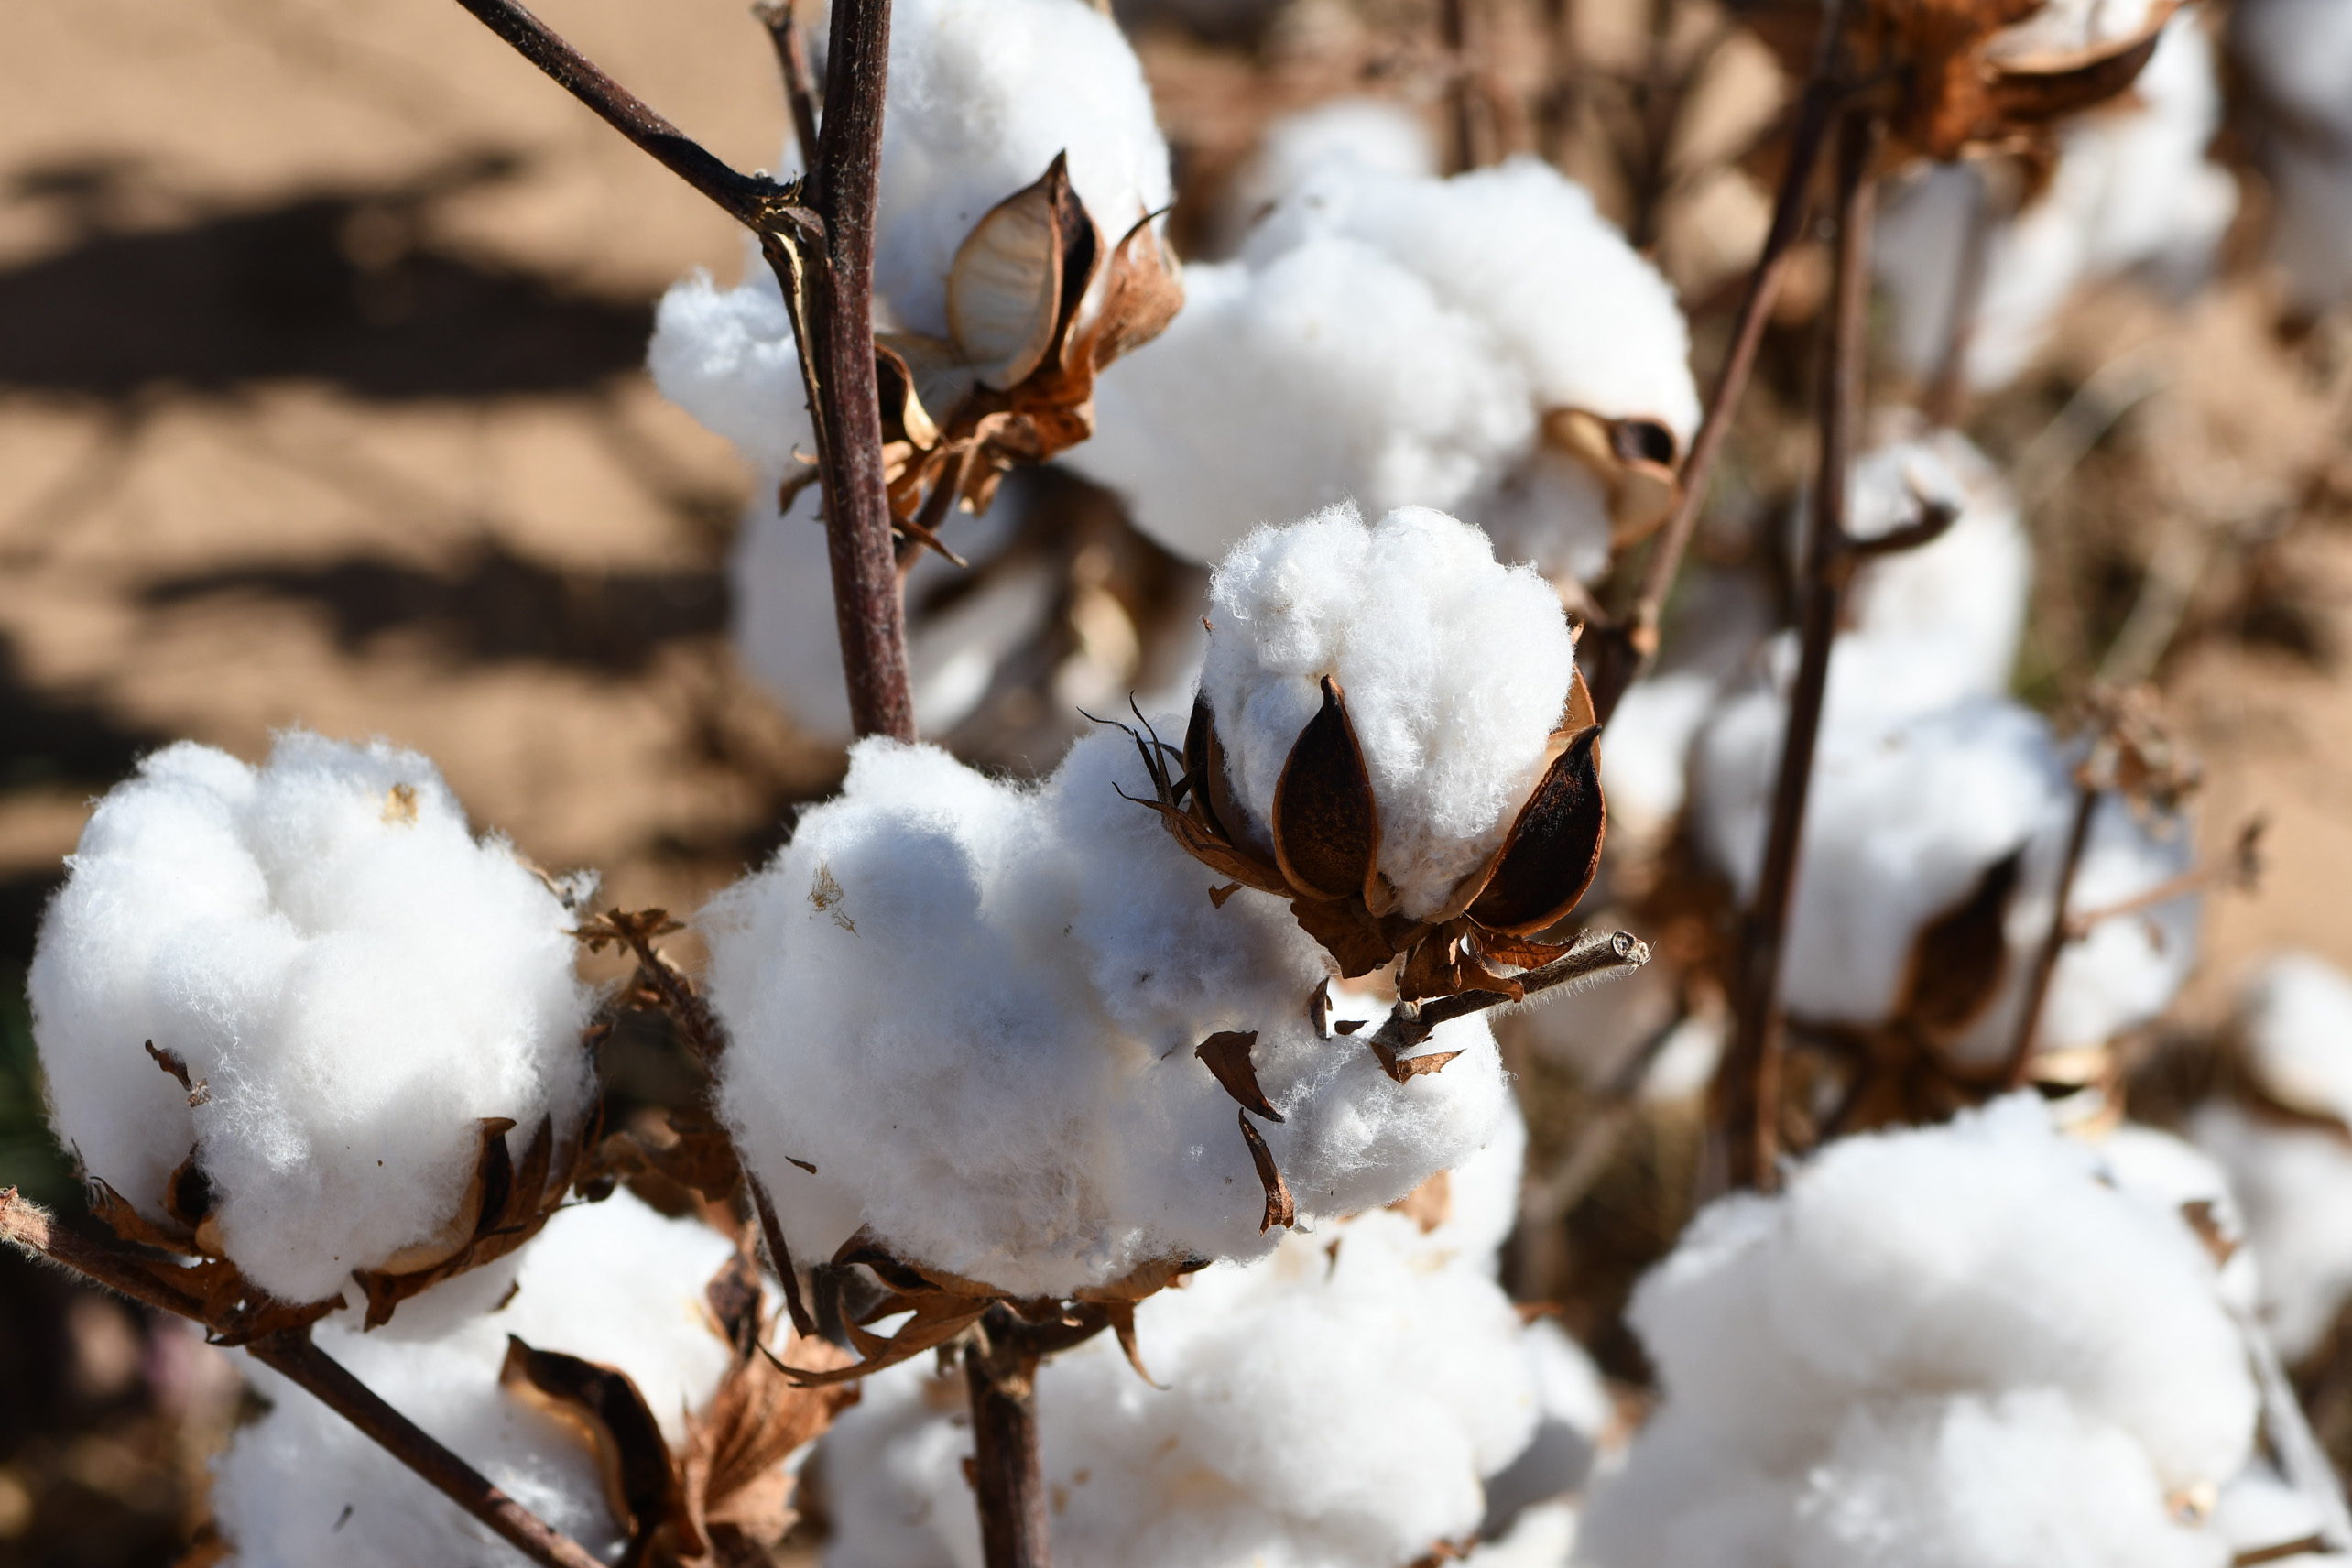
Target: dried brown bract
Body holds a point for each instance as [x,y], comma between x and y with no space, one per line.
[1326,845]
[1038,303]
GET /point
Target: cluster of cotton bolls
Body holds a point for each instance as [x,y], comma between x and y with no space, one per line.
[1926,779]
[614,1283]
[1367,1394]
[1400,339]
[1979,1344]
[2298,54]
[973,1005]
[2131,189]
[984,95]
[350,982]
[2287,1151]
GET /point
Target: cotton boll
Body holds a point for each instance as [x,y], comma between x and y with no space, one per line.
[2296,1017]
[1377,133]
[1950,1345]
[1337,1403]
[984,95]
[1716,622]
[728,357]
[2132,188]
[614,1283]
[973,1007]
[354,979]
[2299,56]
[1455,670]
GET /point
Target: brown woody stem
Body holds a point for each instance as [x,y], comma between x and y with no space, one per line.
[1634,646]
[793,64]
[1000,1366]
[1751,1070]
[26,1225]
[833,317]
[1593,958]
[2053,942]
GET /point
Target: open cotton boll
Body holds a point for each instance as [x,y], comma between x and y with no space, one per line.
[2132,190]
[356,980]
[984,95]
[2299,54]
[1455,670]
[1378,134]
[728,357]
[973,1007]
[2295,1181]
[1950,1345]
[1338,1403]
[612,1283]
[1397,340]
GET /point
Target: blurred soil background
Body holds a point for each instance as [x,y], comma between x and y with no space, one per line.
[321,402]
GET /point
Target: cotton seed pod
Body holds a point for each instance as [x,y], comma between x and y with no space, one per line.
[1326,840]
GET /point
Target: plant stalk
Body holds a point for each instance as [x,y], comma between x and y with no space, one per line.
[1000,1364]
[2053,941]
[793,65]
[1751,1071]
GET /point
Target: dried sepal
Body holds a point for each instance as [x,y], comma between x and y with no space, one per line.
[1326,825]
[172,1062]
[1280,1209]
[1405,1069]
[603,1406]
[1005,288]
[1227,1055]
[1959,958]
[1634,459]
[1554,849]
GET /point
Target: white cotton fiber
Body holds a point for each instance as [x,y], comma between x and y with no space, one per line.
[1397,340]
[614,1283]
[1455,671]
[2132,190]
[2295,1179]
[354,978]
[1342,1402]
[1378,134]
[1903,818]
[1955,1346]
[973,1005]
[727,357]
[2298,54]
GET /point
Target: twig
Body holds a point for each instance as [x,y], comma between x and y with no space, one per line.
[780,1257]
[26,1225]
[1751,1069]
[1000,1373]
[749,198]
[793,64]
[1633,647]
[1948,389]
[2053,941]
[1593,959]
[2241,870]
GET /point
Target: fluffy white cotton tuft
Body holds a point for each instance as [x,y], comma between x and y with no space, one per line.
[1347,1401]
[1397,340]
[614,1283]
[1377,134]
[2132,190]
[2299,56]
[353,978]
[1455,671]
[2294,1178]
[1958,1346]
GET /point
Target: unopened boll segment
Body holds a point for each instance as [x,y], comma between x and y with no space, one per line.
[1959,1345]
[614,1283]
[2293,1175]
[2132,190]
[1455,671]
[1344,1402]
[351,977]
[1401,339]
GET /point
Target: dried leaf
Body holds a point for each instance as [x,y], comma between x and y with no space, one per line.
[1404,1069]
[1005,288]
[1319,1008]
[198,1092]
[1218,895]
[909,370]
[628,928]
[1326,825]
[1349,1026]
[1226,1053]
[1280,1208]
[1959,958]
[1553,848]
[1142,295]
[603,1406]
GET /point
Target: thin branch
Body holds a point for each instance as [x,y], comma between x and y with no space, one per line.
[1593,959]
[749,198]
[1948,389]
[781,1256]
[1634,644]
[1000,1372]
[26,1225]
[1751,1069]
[2053,942]
[793,64]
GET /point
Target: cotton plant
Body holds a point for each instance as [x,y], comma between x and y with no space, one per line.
[1980,1343]
[999,1035]
[299,1021]
[1017,252]
[2297,55]
[615,1337]
[2283,1142]
[1487,345]
[2132,190]
[1365,1394]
